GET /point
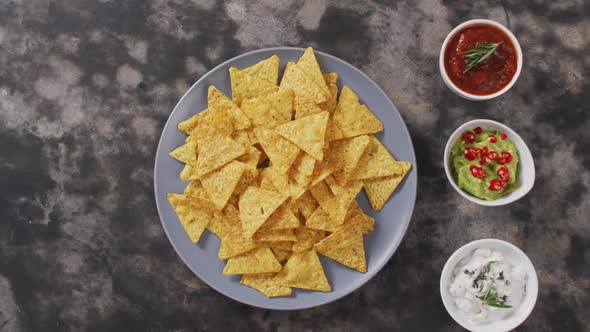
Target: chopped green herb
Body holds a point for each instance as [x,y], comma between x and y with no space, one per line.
[489,266]
[478,54]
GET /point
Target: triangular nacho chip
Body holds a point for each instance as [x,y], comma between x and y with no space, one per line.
[271,235]
[330,104]
[256,206]
[194,213]
[189,172]
[349,152]
[354,119]
[281,254]
[306,238]
[259,260]
[191,123]
[321,220]
[304,164]
[195,189]
[304,270]
[244,86]
[306,205]
[335,205]
[280,151]
[378,190]
[346,246]
[218,102]
[282,218]
[304,107]
[233,240]
[309,64]
[186,153]
[376,162]
[301,84]
[267,69]
[221,183]
[308,133]
[330,78]
[216,150]
[262,114]
[264,283]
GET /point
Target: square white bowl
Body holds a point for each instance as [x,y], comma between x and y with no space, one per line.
[526,168]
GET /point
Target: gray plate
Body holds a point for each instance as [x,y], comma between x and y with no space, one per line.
[391,222]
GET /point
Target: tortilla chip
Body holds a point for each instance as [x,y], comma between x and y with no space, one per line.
[256,206]
[271,235]
[216,150]
[259,260]
[281,254]
[306,238]
[330,78]
[335,205]
[221,183]
[191,123]
[282,218]
[330,104]
[195,189]
[233,240]
[356,215]
[301,180]
[267,69]
[244,86]
[264,283]
[308,63]
[186,153]
[279,179]
[304,107]
[306,204]
[270,110]
[304,270]
[376,162]
[280,151]
[379,190]
[350,151]
[279,245]
[304,164]
[218,102]
[321,220]
[352,118]
[301,84]
[296,189]
[189,172]
[346,246]
[194,213]
[308,133]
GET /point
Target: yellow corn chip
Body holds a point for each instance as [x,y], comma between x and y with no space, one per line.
[301,84]
[357,216]
[233,240]
[295,189]
[281,152]
[304,270]
[310,66]
[281,245]
[216,224]
[221,183]
[306,238]
[352,118]
[264,283]
[256,206]
[194,213]
[281,254]
[308,133]
[189,172]
[191,123]
[306,205]
[270,110]
[330,78]
[350,151]
[195,189]
[378,190]
[335,205]
[304,164]
[279,179]
[282,218]
[218,102]
[216,150]
[259,260]
[304,107]
[376,162]
[346,246]
[267,69]
[271,235]
[321,220]
[330,104]
[301,180]
[249,178]
[216,118]
[244,86]
[186,153]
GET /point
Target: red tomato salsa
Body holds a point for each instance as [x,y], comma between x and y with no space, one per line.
[487,77]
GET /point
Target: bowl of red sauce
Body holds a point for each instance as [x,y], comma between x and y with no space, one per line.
[480,59]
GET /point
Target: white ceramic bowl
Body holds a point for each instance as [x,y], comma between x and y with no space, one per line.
[466,95]
[508,250]
[526,168]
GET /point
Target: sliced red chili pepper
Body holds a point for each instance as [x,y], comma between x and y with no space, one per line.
[471,153]
[502,161]
[468,137]
[503,136]
[478,130]
[483,155]
[493,155]
[492,138]
[504,174]
[477,172]
[507,156]
[496,185]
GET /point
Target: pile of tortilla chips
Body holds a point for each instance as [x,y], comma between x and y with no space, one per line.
[275,170]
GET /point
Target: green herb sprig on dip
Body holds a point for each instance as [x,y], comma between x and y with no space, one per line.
[480,53]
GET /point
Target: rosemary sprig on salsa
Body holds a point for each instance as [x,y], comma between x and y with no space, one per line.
[480,53]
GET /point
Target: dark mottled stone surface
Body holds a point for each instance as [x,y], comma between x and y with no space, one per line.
[86,86]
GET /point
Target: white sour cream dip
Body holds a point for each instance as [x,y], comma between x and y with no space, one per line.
[487,286]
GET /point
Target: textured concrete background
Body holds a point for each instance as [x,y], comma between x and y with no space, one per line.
[86,86]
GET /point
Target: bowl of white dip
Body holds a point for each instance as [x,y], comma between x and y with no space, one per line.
[489,285]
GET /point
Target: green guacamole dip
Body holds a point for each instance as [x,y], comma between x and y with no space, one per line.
[485,163]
